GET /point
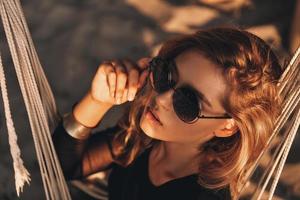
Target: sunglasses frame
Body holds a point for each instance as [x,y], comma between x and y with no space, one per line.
[165,62]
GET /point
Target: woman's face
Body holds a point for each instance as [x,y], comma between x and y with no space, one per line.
[204,76]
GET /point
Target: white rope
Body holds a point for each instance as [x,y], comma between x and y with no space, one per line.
[38,98]
[284,157]
[289,88]
[21,174]
[43,117]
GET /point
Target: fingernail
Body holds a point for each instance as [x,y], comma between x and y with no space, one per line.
[118,100]
[131,97]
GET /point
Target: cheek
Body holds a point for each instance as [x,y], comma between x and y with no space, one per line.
[207,126]
[188,133]
[175,130]
[185,133]
[169,131]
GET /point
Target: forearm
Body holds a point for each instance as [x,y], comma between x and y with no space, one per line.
[80,158]
[76,149]
[69,151]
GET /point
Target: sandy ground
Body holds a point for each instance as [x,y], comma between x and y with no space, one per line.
[73,36]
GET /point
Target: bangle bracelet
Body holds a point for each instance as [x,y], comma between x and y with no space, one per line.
[74,128]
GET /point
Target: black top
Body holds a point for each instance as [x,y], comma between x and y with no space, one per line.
[125,183]
[133,183]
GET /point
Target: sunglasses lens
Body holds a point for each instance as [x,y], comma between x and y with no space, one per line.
[185,101]
[186,104]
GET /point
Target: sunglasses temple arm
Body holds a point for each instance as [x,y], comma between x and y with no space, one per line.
[215,117]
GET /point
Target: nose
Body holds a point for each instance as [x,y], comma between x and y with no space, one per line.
[164,100]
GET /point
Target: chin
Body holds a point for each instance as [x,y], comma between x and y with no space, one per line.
[154,132]
[149,129]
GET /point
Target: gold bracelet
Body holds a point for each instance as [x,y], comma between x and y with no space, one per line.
[75,128]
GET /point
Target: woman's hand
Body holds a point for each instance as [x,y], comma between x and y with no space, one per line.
[118,81]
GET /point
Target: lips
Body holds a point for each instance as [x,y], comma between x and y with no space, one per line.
[156,117]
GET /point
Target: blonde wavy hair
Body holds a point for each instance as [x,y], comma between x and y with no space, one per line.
[252,72]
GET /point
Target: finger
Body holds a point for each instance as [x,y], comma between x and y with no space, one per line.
[112,83]
[125,95]
[121,81]
[143,63]
[133,84]
[105,67]
[133,79]
[129,64]
[143,78]
[111,77]
[119,67]
[99,78]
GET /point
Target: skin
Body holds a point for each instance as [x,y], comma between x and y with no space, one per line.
[176,155]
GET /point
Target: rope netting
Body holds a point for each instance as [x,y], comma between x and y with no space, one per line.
[39,103]
[280,142]
[43,115]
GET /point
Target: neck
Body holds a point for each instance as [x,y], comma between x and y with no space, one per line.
[175,160]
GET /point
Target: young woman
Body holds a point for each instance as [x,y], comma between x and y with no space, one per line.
[201,112]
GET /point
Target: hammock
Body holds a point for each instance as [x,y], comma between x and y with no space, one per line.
[43,115]
[39,102]
[285,130]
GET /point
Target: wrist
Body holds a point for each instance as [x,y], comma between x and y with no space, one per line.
[75,128]
[89,112]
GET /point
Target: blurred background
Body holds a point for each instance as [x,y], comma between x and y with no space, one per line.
[72,37]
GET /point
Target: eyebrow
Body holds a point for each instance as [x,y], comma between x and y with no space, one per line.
[199,93]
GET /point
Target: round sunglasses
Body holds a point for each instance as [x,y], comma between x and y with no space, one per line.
[186,102]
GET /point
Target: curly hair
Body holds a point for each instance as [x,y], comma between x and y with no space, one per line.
[252,71]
